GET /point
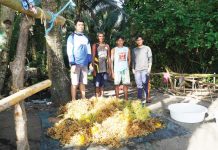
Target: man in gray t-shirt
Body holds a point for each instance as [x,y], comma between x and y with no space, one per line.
[141,66]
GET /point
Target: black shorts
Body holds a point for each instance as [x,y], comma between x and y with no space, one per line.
[100,79]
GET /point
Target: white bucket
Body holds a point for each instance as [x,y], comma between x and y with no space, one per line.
[187,112]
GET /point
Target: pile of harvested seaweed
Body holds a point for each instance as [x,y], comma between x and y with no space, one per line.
[102,121]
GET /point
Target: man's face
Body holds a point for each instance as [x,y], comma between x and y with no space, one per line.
[120,42]
[139,41]
[79,27]
[101,38]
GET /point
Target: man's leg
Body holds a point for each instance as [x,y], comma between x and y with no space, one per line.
[83,81]
[103,79]
[117,91]
[74,81]
[138,81]
[97,85]
[101,91]
[73,91]
[117,80]
[126,81]
[97,92]
[145,81]
[83,90]
[125,89]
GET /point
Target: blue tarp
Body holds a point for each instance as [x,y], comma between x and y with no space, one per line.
[171,130]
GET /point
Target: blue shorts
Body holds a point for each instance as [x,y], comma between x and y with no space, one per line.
[100,79]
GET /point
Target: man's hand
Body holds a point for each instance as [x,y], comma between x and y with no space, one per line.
[149,70]
[133,71]
[73,68]
[112,75]
[93,72]
[91,67]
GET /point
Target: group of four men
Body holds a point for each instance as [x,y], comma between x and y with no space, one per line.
[114,62]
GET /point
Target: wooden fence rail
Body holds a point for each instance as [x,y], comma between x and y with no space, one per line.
[22,94]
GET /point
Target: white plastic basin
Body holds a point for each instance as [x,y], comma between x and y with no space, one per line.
[216,116]
[187,112]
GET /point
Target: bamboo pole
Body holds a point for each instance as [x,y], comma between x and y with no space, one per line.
[22,94]
[20,119]
[187,75]
[16,5]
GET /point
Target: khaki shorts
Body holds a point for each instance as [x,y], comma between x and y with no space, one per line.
[122,76]
[79,75]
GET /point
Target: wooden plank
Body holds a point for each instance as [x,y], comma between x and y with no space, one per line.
[16,5]
[177,75]
[22,94]
[195,75]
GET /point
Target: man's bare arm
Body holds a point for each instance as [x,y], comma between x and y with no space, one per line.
[109,59]
[112,61]
[129,57]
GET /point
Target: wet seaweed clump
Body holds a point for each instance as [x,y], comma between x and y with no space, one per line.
[105,121]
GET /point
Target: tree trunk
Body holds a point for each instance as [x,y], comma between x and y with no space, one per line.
[6,21]
[17,69]
[78,8]
[60,90]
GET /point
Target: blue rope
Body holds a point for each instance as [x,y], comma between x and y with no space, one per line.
[54,16]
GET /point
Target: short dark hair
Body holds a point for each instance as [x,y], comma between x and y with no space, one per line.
[139,36]
[78,20]
[100,32]
[120,37]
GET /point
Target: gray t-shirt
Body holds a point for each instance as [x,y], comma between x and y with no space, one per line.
[142,58]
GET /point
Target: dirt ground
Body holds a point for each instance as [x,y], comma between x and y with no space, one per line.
[204,135]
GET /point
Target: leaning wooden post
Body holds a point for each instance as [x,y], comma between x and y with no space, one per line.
[17,69]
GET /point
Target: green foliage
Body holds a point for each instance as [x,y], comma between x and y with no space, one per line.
[98,16]
[183,33]
[37,41]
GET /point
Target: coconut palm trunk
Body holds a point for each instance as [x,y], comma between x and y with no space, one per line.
[60,90]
